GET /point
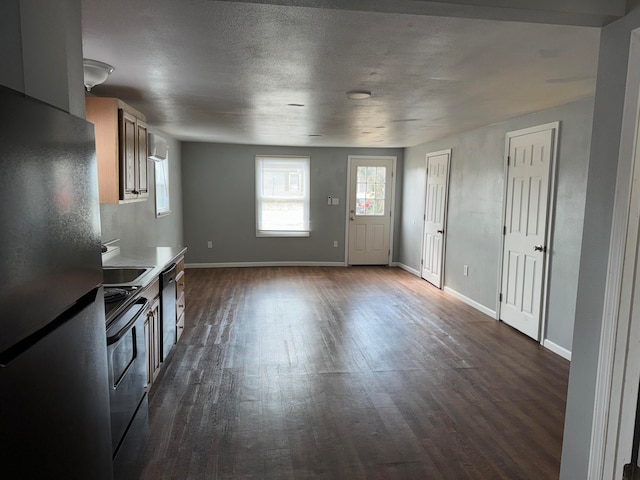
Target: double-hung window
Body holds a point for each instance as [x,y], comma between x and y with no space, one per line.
[162,188]
[282,196]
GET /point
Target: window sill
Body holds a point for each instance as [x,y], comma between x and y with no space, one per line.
[268,233]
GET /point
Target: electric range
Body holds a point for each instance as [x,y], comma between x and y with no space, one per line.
[116,298]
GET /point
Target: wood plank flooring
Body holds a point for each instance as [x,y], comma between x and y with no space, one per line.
[350,373]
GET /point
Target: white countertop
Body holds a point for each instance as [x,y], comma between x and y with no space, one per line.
[158,258]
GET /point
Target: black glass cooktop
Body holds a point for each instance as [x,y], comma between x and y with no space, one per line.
[116,297]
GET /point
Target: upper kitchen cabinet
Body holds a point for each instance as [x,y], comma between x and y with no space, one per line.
[121,150]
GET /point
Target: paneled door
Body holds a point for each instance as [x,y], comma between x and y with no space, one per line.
[435,215]
[529,166]
[370,194]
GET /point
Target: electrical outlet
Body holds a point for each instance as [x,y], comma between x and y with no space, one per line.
[335,243]
[466,270]
[210,244]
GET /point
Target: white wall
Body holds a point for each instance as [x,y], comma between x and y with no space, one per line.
[605,146]
[474,226]
[41,52]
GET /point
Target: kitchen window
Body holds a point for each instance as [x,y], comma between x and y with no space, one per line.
[282,196]
[162,188]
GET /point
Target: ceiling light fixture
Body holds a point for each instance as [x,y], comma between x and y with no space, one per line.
[296,104]
[358,95]
[95,72]
[315,135]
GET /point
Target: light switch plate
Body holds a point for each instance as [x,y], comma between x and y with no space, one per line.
[335,201]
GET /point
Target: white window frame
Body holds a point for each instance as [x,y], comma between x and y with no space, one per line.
[162,167]
[260,161]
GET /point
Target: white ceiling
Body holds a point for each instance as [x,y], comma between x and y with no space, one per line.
[227,72]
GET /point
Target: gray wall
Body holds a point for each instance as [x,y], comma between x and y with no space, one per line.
[219,204]
[605,144]
[475,210]
[135,224]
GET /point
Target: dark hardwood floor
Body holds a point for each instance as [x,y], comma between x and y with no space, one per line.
[350,373]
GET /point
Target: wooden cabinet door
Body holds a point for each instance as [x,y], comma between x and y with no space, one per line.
[155,319]
[152,340]
[148,343]
[141,157]
[180,299]
[128,155]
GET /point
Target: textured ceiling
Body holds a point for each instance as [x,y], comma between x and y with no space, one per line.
[229,72]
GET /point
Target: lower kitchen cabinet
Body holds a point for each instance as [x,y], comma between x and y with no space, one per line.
[152,331]
[180,298]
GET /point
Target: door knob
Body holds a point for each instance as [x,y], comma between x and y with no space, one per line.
[538,248]
[440,231]
[353,218]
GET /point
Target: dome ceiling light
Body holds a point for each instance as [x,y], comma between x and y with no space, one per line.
[358,95]
[95,72]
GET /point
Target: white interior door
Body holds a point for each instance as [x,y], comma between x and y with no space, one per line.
[370,195]
[530,157]
[435,215]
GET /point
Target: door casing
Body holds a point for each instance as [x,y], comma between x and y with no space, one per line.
[618,359]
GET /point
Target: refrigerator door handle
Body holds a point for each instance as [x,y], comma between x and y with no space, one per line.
[17,349]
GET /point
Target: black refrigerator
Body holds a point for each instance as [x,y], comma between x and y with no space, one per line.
[54,398]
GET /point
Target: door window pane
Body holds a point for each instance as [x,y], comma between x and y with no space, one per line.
[370,190]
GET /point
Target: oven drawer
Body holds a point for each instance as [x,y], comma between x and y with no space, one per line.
[126,353]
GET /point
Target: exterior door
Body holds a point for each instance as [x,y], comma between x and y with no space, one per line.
[435,215]
[529,166]
[370,194]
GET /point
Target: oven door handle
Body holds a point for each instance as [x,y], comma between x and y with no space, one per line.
[121,333]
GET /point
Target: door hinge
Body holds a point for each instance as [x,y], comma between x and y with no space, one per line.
[424,217]
[504,230]
[500,298]
[421,262]
[508,161]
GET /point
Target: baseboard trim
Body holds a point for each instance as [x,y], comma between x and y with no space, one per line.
[473,303]
[557,349]
[264,264]
[407,268]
